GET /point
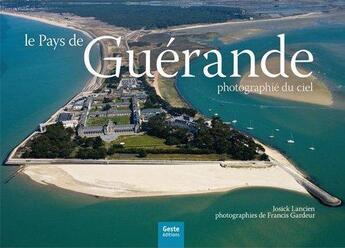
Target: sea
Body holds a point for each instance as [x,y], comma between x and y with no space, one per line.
[35,81]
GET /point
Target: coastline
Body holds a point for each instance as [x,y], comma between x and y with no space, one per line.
[91,84]
[251,29]
[46,21]
[128,179]
[49,22]
[79,170]
[93,80]
[137,180]
[306,15]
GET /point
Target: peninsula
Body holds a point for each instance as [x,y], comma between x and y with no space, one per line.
[120,138]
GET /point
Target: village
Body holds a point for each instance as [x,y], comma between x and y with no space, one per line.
[112,112]
[126,119]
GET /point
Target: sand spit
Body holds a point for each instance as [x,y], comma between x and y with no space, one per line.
[307,90]
[135,180]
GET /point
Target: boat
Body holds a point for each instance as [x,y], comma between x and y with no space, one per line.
[312,148]
[234,121]
[291,140]
[277,129]
[216,114]
[271,136]
[250,126]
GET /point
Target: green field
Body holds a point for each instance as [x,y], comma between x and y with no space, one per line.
[118,100]
[169,93]
[122,107]
[150,142]
[99,121]
[192,157]
[142,141]
[189,157]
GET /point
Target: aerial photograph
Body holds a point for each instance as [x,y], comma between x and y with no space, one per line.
[169,123]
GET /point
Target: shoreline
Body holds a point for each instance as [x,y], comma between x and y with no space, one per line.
[137,180]
[46,21]
[93,82]
[184,27]
[319,94]
[239,37]
[90,85]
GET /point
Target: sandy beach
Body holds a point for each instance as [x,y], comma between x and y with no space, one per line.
[154,83]
[45,20]
[197,26]
[161,178]
[316,93]
[135,180]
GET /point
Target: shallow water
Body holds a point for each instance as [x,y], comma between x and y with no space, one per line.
[309,125]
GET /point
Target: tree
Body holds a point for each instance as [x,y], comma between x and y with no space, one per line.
[97,143]
[264,157]
[106,100]
[156,126]
[106,107]
[56,142]
[89,153]
[172,140]
[142,153]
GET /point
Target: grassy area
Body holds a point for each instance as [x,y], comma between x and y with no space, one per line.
[99,121]
[142,141]
[149,142]
[118,100]
[193,157]
[122,107]
[169,93]
[125,119]
[190,157]
[94,109]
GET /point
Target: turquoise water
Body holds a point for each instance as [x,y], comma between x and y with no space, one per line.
[310,125]
[34,215]
[35,81]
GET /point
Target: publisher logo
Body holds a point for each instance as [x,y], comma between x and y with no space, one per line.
[170,235]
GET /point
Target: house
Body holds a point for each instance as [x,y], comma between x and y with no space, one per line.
[146,114]
[107,132]
[88,103]
[66,120]
[129,83]
[183,121]
[78,105]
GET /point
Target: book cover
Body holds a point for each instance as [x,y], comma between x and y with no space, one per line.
[172,123]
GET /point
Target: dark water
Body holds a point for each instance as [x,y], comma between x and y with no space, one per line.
[34,215]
